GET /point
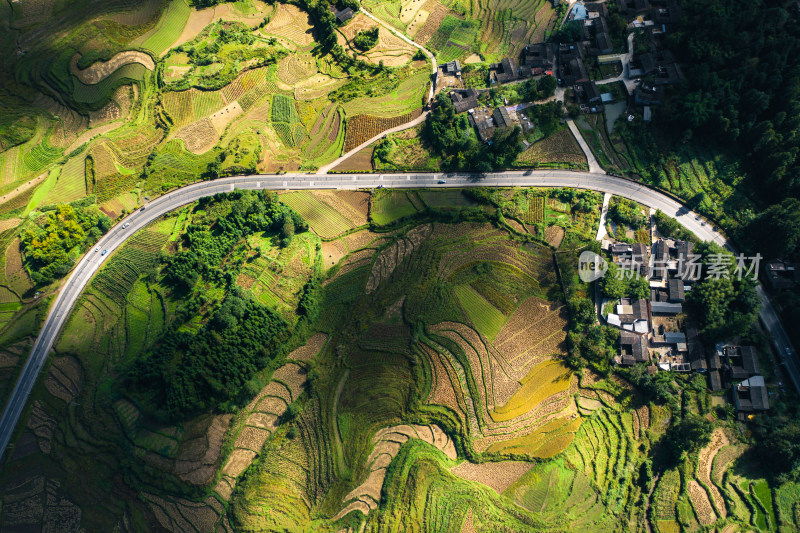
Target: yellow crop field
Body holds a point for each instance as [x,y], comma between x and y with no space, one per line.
[544,380]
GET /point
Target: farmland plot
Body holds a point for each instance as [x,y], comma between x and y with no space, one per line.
[324,219]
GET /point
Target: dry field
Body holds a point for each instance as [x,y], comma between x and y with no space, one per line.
[498,476]
[705,462]
[332,253]
[100,70]
[360,161]
[554,235]
[292,24]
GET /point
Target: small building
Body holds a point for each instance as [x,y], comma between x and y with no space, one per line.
[665,308]
[596,9]
[506,70]
[539,55]
[343,15]
[676,291]
[631,315]
[452,68]
[502,118]
[579,12]
[741,361]
[714,380]
[751,395]
[481,119]
[591,94]
[633,348]
[464,100]
[648,95]
[782,274]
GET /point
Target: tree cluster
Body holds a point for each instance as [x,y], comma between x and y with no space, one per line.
[366,39]
[185,372]
[540,89]
[724,306]
[617,284]
[627,212]
[451,136]
[50,246]
[742,85]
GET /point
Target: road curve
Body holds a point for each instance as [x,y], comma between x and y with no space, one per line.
[116,237]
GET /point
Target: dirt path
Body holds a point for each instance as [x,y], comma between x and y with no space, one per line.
[416,122]
[97,72]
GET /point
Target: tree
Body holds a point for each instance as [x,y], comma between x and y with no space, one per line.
[688,436]
[775,232]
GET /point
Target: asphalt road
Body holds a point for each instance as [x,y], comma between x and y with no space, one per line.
[116,237]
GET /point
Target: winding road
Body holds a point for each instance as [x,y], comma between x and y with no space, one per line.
[116,237]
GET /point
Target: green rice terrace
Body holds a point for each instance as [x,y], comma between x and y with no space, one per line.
[342,361]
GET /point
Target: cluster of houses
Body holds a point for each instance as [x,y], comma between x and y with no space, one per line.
[654,330]
[485,121]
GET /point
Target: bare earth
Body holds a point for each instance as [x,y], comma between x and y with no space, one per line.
[99,71]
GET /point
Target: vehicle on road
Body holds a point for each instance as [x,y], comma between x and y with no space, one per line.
[104,252]
[442,181]
[97,249]
[125,225]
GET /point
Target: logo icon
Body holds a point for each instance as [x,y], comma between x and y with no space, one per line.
[591,266]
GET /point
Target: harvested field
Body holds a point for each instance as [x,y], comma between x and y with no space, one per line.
[324,219]
[312,347]
[497,476]
[544,380]
[292,24]
[432,23]
[361,239]
[225,116]
[362,128]
[560,147]
[702,506]
[353,205]
[444,381]
[705,463]
[100,70]
[554,235]
[199,137]
[332,253]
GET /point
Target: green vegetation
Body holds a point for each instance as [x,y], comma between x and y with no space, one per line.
[453,138]
[219,54]
[366,39]
[58,238]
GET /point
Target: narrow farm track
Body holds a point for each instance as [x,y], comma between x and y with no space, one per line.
[91,262]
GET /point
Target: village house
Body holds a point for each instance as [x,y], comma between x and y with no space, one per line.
[633,348]
[782,274]
[342,15]
[464,99]
[751,395]
[740,362]
[631,315]
[505,71]
[539,56]
[481,119]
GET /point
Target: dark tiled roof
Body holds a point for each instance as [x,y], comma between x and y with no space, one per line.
[676,291]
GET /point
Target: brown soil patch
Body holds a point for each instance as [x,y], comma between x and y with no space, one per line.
[225,116]
[238,462]
[554,235]
[497,476]
[360,239]
[197,458]
[359,161]
[311,348]
[332,253]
